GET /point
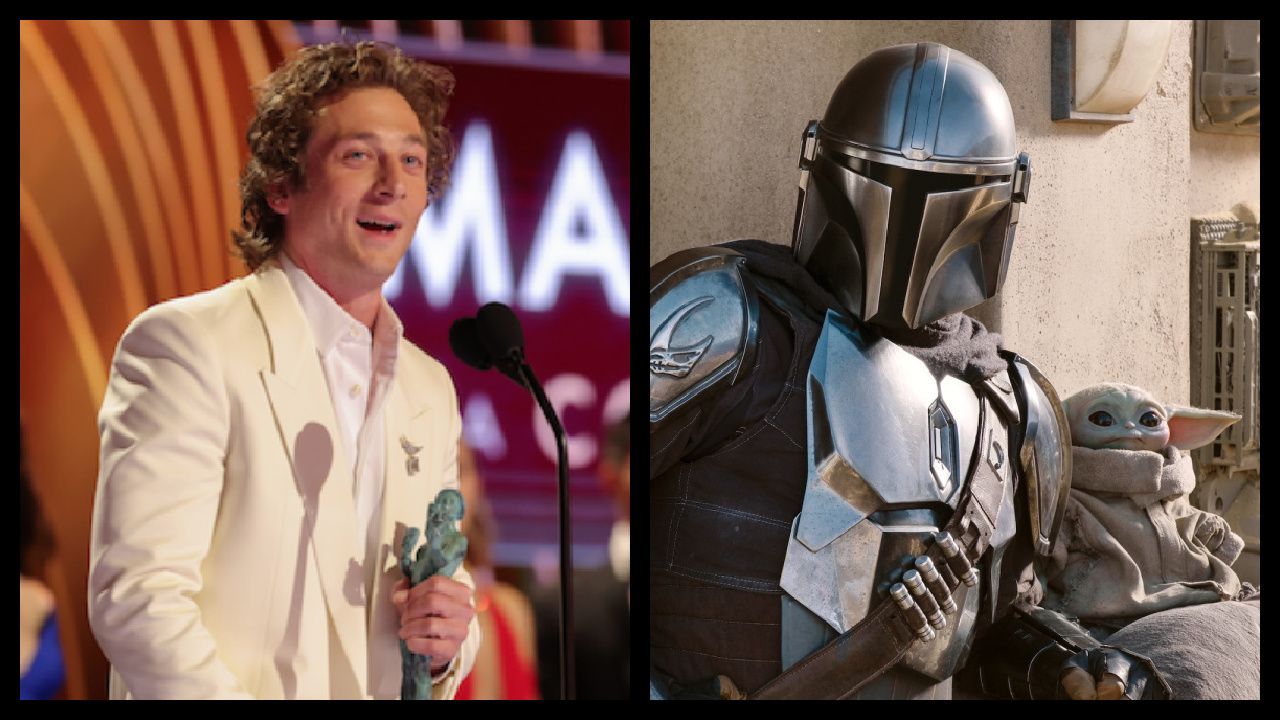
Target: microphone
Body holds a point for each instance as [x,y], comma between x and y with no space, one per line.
[464,340]
[499,332]
[494,339]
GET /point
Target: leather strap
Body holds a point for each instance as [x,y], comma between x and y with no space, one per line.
[842,667]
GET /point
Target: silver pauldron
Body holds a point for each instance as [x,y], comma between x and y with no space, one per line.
[703,316]
[1043,450]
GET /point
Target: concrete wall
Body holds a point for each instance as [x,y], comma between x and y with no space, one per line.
[1098,285]
[1225,171]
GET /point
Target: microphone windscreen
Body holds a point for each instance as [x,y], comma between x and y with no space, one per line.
[499,330]
[464,340]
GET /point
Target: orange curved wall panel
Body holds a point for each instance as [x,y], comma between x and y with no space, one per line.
[132,140]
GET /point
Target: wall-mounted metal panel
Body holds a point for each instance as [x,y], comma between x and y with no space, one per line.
[1226,72]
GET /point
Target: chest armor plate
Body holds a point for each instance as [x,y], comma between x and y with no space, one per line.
[890,449]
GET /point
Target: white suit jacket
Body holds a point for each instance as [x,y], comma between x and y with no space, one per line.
[224,560]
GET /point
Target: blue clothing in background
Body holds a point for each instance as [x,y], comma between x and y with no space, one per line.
[46,674]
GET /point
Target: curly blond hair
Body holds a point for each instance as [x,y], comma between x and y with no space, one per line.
[287,104]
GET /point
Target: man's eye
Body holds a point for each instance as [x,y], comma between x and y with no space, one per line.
[1102,418]
[355,155]
[1150,419]
[414,161]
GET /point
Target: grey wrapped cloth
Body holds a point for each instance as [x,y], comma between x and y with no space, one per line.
[954,345]
[1131,544]
[1205,652]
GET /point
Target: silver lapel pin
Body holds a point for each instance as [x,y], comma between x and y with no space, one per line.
[411,450]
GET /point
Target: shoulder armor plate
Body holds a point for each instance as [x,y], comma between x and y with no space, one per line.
[1043,449]
[703,313]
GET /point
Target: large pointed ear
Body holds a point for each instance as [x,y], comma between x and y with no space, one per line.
[1190,427]
[1070,406]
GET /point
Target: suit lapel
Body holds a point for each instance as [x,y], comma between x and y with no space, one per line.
[299,397]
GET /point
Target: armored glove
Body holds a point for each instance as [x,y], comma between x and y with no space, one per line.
[1119,676]
[1032,653]
[1036,653]
[719,687]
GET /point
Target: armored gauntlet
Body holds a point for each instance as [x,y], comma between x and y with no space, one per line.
[1027,654]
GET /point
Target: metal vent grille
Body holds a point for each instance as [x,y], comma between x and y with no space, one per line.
[1224,371]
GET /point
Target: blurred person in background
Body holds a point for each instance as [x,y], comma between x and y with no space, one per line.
[601,597]
[615,475]
[43,673]
[264,445]
[504,668]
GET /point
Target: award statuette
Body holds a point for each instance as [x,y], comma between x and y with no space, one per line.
[440,554]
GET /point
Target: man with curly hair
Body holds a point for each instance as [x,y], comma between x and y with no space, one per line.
[264,445]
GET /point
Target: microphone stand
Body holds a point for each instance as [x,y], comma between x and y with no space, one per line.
[530,381]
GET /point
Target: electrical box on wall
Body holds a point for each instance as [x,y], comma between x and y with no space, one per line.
[1102,69]
[1226,76]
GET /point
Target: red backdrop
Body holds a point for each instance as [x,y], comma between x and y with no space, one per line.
[537,216]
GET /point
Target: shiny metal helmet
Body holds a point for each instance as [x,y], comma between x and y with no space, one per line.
[910,186]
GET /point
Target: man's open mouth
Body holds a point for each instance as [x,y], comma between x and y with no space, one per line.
[377,226]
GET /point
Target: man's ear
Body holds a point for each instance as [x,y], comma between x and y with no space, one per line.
[1190,427]
[278,197]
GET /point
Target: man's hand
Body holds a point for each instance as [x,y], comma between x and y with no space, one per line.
[1120,676]
[1079,685]
[434,617]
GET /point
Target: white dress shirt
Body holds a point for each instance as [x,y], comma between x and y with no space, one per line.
[359,366]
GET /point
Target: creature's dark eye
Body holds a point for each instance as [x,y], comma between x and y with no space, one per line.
[1102,418]
[1150,419]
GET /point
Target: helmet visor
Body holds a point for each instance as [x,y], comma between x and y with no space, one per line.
[927,244]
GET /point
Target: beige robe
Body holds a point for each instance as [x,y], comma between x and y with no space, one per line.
[1128,545]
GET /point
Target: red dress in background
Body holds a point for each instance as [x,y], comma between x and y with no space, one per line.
[505,668]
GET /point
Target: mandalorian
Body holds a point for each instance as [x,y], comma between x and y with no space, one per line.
[853,484]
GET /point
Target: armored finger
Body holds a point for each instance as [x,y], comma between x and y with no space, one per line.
[1077,675]
[1111,687]
[936,584]
[924,598]
[960,564]
[1079,684]
[911,612]
[1135,675]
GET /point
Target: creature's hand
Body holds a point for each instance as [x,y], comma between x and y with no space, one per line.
[435,616]
[1212,531]
[1110,674]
